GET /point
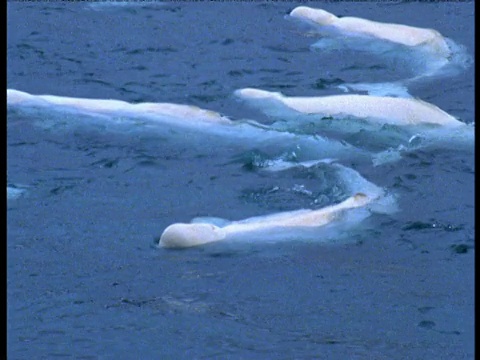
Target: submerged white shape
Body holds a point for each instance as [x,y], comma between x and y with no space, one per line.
[105,5]
[183,235]
[396,33]
[379,109]
[15,191]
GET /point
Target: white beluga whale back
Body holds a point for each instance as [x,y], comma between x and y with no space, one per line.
[188,113]
[380,109]
[396,33]
[183,235]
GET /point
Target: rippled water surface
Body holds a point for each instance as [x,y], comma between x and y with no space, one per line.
[85,278]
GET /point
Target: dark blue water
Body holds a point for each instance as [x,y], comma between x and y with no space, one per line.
[85,278]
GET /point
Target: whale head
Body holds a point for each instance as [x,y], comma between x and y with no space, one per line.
[318,16]
[188,235]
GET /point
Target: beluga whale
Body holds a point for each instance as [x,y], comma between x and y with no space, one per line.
[423,52]
[328,223]
[377,109]
[187,113]
[354,26]
[384,126]
[185,235]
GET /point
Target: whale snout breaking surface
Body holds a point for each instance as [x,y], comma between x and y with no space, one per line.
[187,235]
[182,235]
[318,16]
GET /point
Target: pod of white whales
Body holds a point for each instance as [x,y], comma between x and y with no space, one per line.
[383,110]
